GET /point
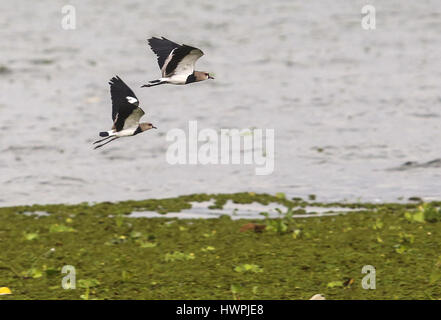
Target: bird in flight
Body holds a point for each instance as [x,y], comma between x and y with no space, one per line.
[126,113]
[176,63]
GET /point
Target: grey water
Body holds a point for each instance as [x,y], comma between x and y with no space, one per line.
[351,108]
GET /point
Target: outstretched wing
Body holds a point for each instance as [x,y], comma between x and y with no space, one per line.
[183,60]
[124,104]
[132,121]
[162,48]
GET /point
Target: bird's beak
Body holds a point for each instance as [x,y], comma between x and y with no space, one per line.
[154,127]
[210,77]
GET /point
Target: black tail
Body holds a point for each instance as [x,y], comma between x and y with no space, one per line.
[104,134]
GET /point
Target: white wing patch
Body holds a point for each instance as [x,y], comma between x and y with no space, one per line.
[132,100]
[164,67]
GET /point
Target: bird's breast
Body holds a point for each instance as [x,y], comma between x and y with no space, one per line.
[178,79]
[191,78]
[126,132]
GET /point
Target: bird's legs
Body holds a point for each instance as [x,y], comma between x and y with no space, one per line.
[153,83]
[98,141]
[105,143]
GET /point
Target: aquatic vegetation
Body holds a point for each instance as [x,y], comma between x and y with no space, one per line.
[378,224]
[32,273]
[334,284]
[178,256]
[435,276]
[234,291]
[297,233]
[280,224]
[425,213]
[119,220]
[237,291]
[164,258]
[405,240]
[60,228]
[209,235]
[253,268]
[116,240]
[31,235]
[87,284]
[280,195]
[431,213]
[146,244]
[135,234]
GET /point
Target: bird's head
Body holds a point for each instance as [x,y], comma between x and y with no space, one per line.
[202,75]
[147,126]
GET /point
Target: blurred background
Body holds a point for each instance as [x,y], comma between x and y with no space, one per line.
[356,113]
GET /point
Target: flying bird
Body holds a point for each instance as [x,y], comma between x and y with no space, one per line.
[126,113]
[176,63]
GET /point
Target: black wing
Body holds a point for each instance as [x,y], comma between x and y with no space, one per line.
[162,48]
[124,101]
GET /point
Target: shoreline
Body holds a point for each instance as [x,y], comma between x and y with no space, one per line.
[120,257]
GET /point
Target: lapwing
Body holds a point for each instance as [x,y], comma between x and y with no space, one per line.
[126,113]
[176,63]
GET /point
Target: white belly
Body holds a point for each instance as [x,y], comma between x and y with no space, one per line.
[177,79]
[126,132]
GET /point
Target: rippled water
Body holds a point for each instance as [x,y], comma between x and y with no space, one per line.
[348,106]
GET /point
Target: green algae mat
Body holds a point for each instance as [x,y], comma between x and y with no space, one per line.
[377,251]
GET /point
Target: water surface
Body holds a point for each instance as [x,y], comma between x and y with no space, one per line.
[347,105]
